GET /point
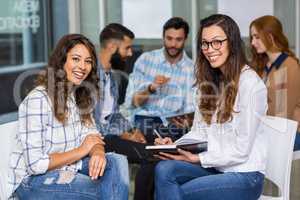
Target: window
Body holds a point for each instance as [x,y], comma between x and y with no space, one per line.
[23,47]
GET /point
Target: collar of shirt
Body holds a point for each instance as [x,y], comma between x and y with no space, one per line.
[103,74]
[162,58]
[277,63]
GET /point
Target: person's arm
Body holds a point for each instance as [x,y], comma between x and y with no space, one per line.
[34,114]
[140,86]
[97,161]
[296,115]
[141,97]
[293,94]
[91,144]
[242,131]
[137,83]
[194,133]
[96,152]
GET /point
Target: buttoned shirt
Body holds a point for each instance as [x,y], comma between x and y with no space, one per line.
[109,101]
[175,97]
[238,145]
[116,123]
[41,134]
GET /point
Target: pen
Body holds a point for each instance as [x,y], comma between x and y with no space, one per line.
[156,133]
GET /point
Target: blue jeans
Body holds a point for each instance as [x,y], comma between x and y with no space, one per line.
[65,185]
[175,180]
[297,142]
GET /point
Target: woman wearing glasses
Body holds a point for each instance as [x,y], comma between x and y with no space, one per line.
[279,68]
[59,153]
[231,99]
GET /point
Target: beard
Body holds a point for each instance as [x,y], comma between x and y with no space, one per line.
[174,52]
[117,61]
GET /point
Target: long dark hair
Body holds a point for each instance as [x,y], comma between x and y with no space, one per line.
[210,81]
[271,33]
[58,88]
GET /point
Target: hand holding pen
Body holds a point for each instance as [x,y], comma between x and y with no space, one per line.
[160,140]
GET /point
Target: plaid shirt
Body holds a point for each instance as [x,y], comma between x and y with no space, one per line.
[175,97]
[40,134]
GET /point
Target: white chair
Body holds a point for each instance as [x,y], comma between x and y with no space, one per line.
[296,155]
[280,134]
[7,140]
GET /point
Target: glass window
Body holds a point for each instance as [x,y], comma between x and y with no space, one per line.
[23,47]
[22,32]
[89,19]
[89,12]
[285,11]
[114,12]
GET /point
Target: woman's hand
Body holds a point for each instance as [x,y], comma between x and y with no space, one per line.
[91,144]
[97,164]
[183,156]
[90,141]
[162,141]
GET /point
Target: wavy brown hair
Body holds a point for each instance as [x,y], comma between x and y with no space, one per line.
[271,33]
[58,88]
[219,90]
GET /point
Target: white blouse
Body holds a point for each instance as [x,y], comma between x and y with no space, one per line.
[237,145]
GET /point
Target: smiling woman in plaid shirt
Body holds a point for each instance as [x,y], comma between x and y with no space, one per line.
[59,154]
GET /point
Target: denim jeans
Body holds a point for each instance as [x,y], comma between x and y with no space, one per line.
[144,182]
[175,180]
[297,142]
[66,185]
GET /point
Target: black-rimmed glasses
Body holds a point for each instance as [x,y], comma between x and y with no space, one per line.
[215,44]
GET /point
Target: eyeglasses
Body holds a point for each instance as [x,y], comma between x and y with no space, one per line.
[215,44]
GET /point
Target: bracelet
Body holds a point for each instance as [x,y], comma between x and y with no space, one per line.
[150,90]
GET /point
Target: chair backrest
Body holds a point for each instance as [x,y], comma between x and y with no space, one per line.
[280,134]
[8,132]
[296,155]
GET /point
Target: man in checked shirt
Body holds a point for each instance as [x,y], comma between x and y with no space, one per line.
[160,89]
[161,85]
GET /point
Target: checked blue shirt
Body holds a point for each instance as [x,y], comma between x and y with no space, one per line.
[176,97]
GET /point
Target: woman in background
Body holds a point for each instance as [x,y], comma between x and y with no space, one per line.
[278,67]
[59,154]
[232,99]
